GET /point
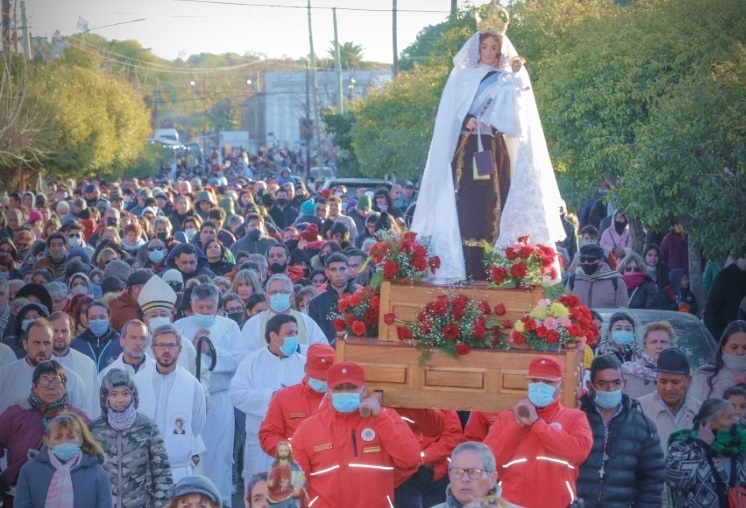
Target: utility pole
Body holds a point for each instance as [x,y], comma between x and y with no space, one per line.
[395,68]
[314,91]
[338,65]
[454,6]
[6,27]
[26,41]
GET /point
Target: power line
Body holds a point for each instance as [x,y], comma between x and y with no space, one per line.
[244,4]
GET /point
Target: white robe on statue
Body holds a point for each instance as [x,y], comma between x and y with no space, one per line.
[176,402]
[16,381]
[532,206]
[84,367]
[309,332]
[258,377]
[217,460]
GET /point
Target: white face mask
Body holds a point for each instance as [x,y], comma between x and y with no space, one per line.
[734,362]
[157,321]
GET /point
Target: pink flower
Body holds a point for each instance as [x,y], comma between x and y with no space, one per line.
[564,322]
[545,302]
[551,323]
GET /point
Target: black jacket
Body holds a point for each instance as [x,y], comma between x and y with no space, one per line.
[322,306]
[635,470]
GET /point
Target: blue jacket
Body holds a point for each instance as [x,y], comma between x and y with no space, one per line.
[91,484]
[107,347]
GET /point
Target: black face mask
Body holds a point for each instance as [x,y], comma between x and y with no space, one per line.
[619,226]
[162,236]
[589,269]
[236,316]
[282,202]
[278,267]
[111,221]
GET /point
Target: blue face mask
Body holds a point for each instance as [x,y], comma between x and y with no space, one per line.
[317,385]
[156,256]
[98,327]
[608,400]
[26,323]
[279,302]
[254,235]
[290,346]
[346,402]
[66,451]
[623,337]
[541,394]
[204,320]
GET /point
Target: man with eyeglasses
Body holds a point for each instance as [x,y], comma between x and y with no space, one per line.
[16,377]
[174,399]
[540,442]
[124,307]
[280,295]
[473,476]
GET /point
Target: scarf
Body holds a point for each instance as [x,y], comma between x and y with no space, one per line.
[60,493]
[630,353]
[48,410]
[636,279]
[121,420]
[728,443]
[642,368]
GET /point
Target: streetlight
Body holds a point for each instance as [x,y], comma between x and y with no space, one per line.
[351,88]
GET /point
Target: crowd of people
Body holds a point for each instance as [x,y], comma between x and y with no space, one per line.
[142,345]
[169,342]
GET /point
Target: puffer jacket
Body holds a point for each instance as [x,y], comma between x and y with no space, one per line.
[599,290]
[136,458]
[635,469]
[137,463]
[91,486]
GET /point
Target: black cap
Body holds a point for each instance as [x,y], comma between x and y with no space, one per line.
[673,361]
[591,250]
[90,188]
[139,277]
[408,183]
[115,197]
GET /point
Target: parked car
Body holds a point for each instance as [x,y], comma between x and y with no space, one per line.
[692,335]
[353,184]
[324,173]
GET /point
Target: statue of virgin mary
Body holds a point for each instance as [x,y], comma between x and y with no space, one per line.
[488,178]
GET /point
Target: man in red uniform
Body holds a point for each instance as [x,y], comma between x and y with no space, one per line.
[348,458]
[540,444]
[292,405]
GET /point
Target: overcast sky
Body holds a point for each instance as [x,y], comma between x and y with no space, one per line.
[174,28]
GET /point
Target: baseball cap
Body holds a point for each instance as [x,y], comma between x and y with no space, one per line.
[319,359]
[545,367]
[345,372]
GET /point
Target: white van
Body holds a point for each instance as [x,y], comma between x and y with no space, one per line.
[166,136]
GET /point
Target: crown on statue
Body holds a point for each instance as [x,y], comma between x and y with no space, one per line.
[496,22]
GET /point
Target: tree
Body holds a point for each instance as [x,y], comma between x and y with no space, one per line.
[21,121]
[339,126]
[641,98]
[350,55]
[98,124]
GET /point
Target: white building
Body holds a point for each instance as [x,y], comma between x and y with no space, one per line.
[276,113]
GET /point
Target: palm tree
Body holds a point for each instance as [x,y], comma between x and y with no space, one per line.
[350,54]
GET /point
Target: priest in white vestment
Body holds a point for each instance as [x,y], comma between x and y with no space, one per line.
[259,376]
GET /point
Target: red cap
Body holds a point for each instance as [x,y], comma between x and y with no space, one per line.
[345,372]
[545,367]
[318,360]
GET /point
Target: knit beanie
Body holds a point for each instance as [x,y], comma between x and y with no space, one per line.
[308,207]
[363,202]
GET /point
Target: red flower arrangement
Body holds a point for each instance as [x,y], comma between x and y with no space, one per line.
[358,312]
[400,257]
[552,324]
[454,324]
[522,265]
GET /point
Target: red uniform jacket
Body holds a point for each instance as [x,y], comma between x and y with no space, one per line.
[287,410]
[349,460]
[479,425]
[547,454]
